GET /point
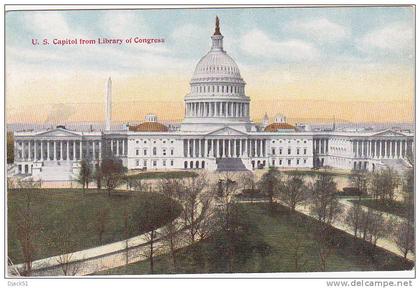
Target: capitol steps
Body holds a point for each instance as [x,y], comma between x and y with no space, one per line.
[57,171]
[230,164]
[396,164]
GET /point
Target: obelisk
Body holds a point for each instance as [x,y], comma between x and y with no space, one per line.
[108,103]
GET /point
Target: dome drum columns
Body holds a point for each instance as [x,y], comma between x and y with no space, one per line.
[217,109]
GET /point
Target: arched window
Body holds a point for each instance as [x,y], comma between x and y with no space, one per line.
[185,164]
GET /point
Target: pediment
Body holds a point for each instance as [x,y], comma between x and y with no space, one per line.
[58,133]
[226,131]
[389,133]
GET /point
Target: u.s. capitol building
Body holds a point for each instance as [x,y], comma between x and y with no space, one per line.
[216,134]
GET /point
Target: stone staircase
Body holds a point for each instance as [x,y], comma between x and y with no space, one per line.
[230,164]
[399,165]
[57,171]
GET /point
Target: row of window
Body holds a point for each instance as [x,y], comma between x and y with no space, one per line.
[219,68]
[217,89]
[288,141]
[289,151]
[155,162]
[154,141]
[289,162]
[154,151]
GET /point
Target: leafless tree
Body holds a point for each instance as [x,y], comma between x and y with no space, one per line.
[354,218]
[359,180]
[196,203]
[404,237]
[324,200]
[297,248]
[294,191]
[271,184]
[27,227]
[112,172]
[102,218]
[383,184]
[27,224]
[173,189]
[64,242]
[323,237]
[377,227]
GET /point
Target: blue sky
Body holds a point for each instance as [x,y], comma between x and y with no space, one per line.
[294,54]
[315,34]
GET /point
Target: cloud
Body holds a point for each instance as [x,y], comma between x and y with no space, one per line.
[394,38]
[123,23]
[259,44]
[49,24]
[319,29]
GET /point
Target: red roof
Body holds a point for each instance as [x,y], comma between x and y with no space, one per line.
[274,127]
[149,127]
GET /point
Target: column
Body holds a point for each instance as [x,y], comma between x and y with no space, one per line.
[123,148]
[193,148]
[67,150]
[61,150]
[55,150]
[400,146]
[81,149]
[29,150]
[48,149]
[395,149]
[217,148]
[246,147]
[223,146]
[93,150]
[118,147]
[206,148]
[100,149]
[42,151]
[74,150]
[35,151]
[199,147]
[228,150]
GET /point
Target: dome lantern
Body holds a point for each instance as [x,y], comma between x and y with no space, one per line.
[217,38]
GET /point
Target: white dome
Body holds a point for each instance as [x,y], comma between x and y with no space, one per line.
[217,92]
[216,64]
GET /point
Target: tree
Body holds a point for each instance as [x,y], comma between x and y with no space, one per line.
[196,204]
[297,248]
[325,204]
[112,172]
[294,191]
[171,188]
[97,175]
[270,183]
[377,227]
[359,180]
[28,228]
[64,243]
[404,237]
[85,174]
[354,218]
[102,218]
[150,224]
[408,189]
[10,147]
[383,183]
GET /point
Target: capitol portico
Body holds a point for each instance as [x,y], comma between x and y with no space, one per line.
[217,133]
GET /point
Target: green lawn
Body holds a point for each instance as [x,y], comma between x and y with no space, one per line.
[315,172]
[278,231]
[58,211]
[163,174]
[393,207]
